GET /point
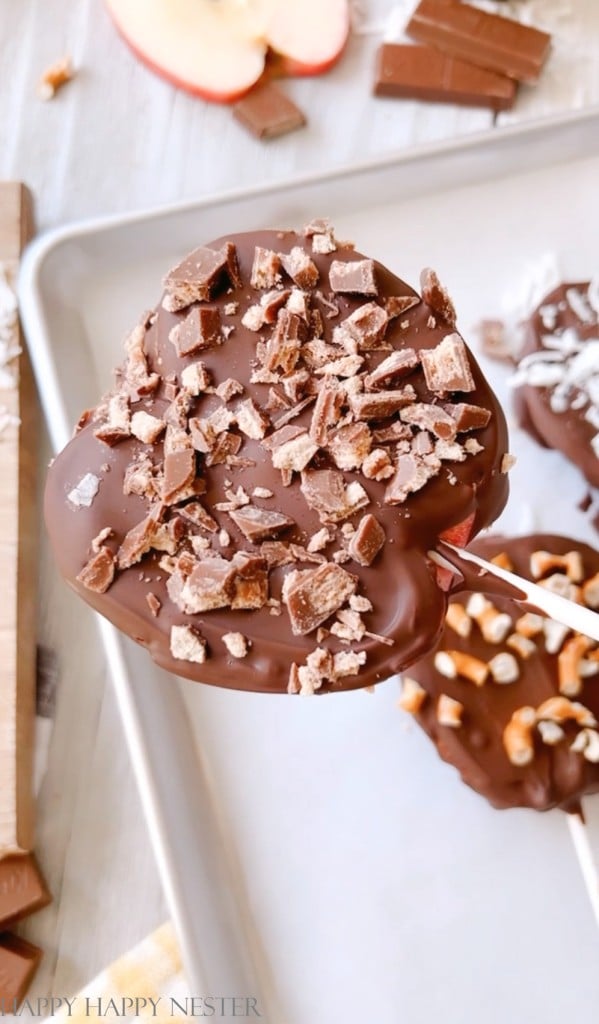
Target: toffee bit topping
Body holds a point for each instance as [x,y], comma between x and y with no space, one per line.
[201,329]
[350,445]
[138,380]
[188,644]
[154,603]
[367,325]
[357,277]
[98,573]
[312,595]
[436,296]
[251,420]
[446,367]
[197,277]
[138,540]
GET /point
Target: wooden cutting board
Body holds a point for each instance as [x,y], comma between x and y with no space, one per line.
[18,554]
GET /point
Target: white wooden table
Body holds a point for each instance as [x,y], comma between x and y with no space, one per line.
[118,139]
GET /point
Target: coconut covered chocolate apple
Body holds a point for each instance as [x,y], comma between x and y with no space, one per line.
[290,432]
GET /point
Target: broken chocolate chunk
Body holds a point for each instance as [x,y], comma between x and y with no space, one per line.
[355,278]
[291,448]
[468,417]
[326,492]
[411,474]
[138,540]
[312,595]
[367,541]
[196,278]
[430,417]
[266,268]
[367,325]
[98,573]
[300,267]
[258,524]
[399,364]
[326,410]
[437,297]
[398,304]
[201,329]
[375,406]
[179,473]
[350,445]
[446,367]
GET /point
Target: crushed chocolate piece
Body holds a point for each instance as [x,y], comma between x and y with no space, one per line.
[179,473]
[118,425]
[430,417]
[227,389]
[197,277]
[326,492]
[137,377]
[236,644]
[258,524]
[367,541]
[300,268]
[266,268]
[374,406]
[468,417]
[437,297]
[200,329]
[273,301]
[377,465]
[154,603]
[446,367]
[98,573]
[146,428]
[395,305]
[283,347]
[291,448]
[251,420]
[411,474]
[195,512]
[399,364]
[367,325]
[312,595]
[138,540]
[188,644]
[326,410]
[350,445]
[355,278]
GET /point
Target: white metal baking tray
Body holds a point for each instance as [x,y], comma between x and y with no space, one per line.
[316,854]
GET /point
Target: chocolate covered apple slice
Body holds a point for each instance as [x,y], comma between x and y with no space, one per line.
[291,431]
[509,696]
[557,377]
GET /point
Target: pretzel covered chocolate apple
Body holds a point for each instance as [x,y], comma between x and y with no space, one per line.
[291,431]
[508,696]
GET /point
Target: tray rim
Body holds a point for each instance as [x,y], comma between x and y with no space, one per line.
[133,709]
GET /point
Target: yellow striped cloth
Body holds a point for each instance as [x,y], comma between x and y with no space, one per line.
[147,983]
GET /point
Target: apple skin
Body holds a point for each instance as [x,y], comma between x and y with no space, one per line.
[242,33]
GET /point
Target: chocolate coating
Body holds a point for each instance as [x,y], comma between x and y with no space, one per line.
[568,430]
[557,776]
[408,606]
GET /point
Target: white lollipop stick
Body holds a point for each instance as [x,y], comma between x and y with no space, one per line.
[576,616]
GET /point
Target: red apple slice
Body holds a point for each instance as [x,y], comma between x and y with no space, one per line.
[217,48]
[309,34]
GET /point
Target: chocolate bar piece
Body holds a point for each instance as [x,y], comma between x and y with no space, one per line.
[488,40]
[22,888]
[19,961]
[268,112]
[422,73]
